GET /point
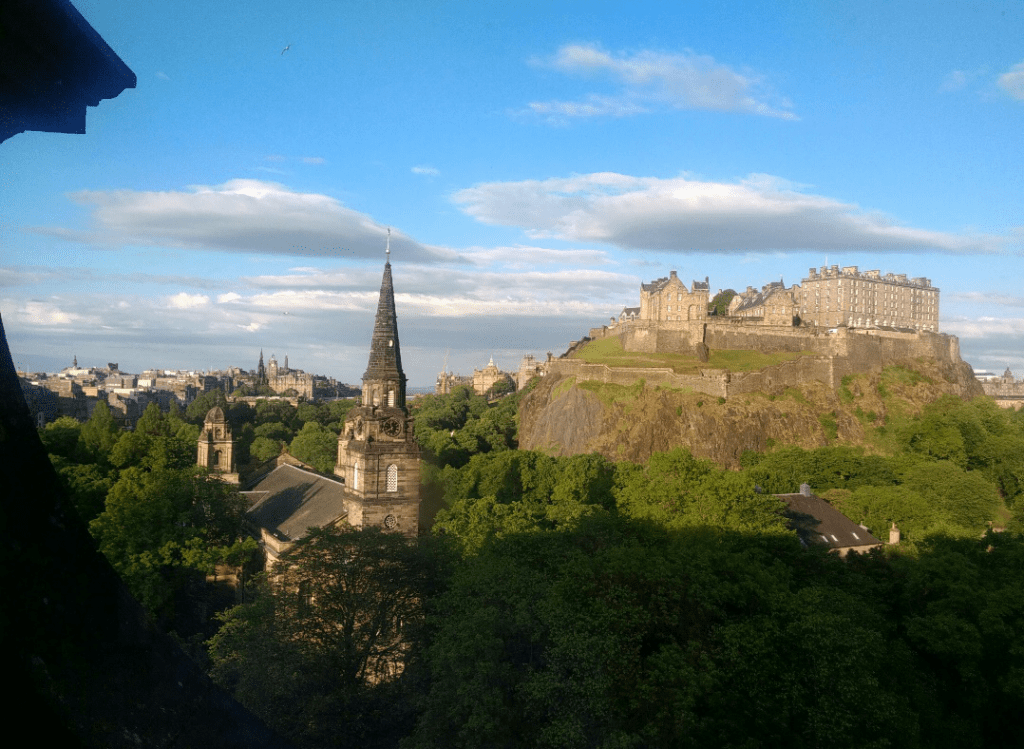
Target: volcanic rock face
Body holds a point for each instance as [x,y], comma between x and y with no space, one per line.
[563,416]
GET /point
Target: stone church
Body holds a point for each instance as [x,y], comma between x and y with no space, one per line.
[378,458]
[376,480]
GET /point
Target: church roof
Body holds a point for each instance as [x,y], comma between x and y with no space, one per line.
[289,500]
[385,356]
[817,522]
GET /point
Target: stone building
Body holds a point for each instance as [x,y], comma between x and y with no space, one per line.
[217,446]
[484,379]
[831,296]
[668,300]
[773,305]
[378,458]
[448,381]
[1007,390]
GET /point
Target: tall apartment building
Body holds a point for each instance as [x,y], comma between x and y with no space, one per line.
[833,296]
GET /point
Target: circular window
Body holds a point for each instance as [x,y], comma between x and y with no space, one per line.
[390,522]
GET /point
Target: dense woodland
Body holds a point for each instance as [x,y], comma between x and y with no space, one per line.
[577,602]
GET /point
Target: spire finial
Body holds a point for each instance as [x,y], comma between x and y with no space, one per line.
[387,250]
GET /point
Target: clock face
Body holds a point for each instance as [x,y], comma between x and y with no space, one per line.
[391,427]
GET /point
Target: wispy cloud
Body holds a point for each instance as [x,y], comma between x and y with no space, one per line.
[314,160]
[1012,81]
[426,170]
[757,213]
[241,215]
[956,80]
[648,81]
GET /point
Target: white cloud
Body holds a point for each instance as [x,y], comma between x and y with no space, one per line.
[313,160]
[188,301]
[49,314]
[758,213]
[521,256]
[1012,81]
[424,169]
[984,327]
[276,157]
[162,75]
[228,297]
[242,215]
[650,80]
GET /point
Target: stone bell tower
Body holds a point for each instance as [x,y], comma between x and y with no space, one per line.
[216,446]
[378,458]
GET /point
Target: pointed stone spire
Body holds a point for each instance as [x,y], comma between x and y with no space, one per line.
[384,369]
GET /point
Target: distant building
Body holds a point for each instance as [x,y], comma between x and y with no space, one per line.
[486,378]
[1007,390]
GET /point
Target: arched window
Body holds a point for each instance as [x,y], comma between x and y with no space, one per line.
[391,398]
[392,478]
[355,476]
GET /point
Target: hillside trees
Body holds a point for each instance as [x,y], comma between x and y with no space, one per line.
[617,633]
[454,427]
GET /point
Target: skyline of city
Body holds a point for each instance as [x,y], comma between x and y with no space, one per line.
[535,164]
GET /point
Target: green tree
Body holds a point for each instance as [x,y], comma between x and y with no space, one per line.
[99,433]
[677,490]
[325,652]
[163,526]
[317,446]
[197,409]
[61,436]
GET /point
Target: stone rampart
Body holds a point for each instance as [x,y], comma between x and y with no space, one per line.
[710,381]
[778,377]
[751,336]
[836,353]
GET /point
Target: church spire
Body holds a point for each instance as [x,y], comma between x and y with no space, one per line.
[384,370]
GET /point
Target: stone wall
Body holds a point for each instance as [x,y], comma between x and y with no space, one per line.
[834,354]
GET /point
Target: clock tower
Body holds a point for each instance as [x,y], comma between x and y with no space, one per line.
[378,458]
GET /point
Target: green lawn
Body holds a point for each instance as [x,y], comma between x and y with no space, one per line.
[609,351]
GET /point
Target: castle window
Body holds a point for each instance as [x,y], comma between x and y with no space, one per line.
[392,478]
[355,476]
[391,398]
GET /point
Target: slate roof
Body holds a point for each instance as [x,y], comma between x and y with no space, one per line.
[289,500]
[660,283]
[385,356]
[817,522]
[760,297]
[630,312]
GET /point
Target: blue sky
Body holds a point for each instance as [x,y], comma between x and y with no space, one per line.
[535,162]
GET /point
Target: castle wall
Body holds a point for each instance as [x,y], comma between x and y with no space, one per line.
[673,338]
[712,381]
[833,355]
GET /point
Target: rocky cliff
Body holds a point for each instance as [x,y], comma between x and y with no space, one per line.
[563,416]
